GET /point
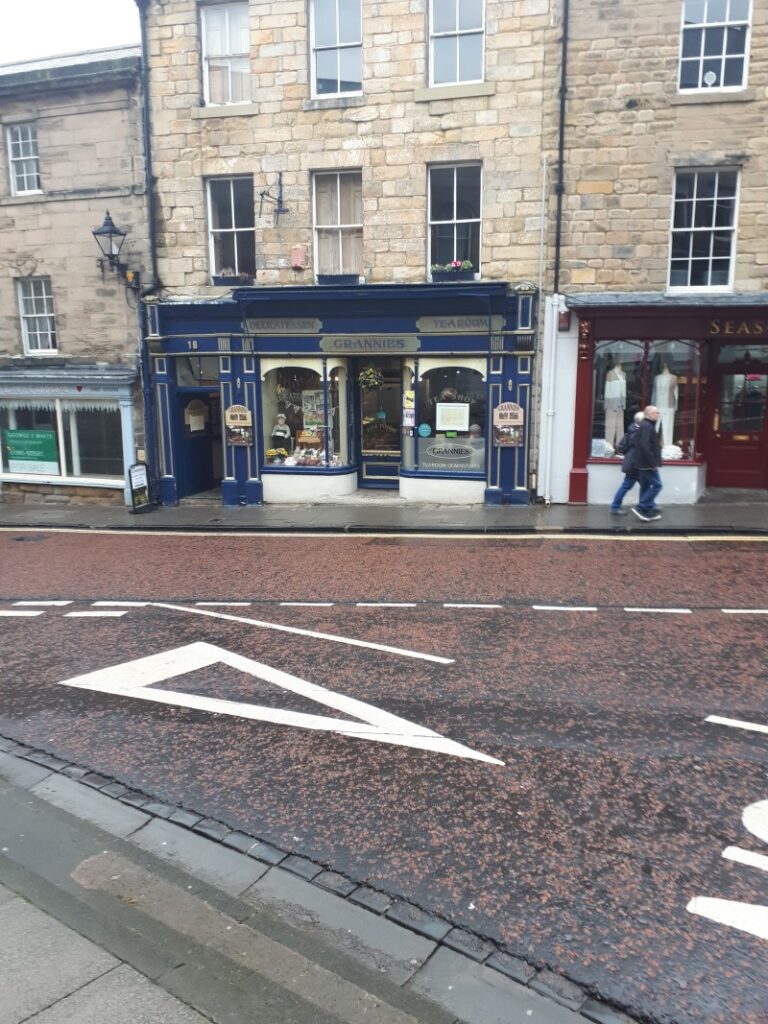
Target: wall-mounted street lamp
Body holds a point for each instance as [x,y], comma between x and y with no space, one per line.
[110,240]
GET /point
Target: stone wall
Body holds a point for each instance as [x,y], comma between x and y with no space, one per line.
[48,494]
[392,133]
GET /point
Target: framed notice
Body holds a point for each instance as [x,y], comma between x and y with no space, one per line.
[451,416]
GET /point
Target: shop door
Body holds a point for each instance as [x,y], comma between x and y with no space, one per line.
[738,448]
[379,414]
[198,423]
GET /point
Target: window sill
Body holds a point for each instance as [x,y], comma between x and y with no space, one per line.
[687,99]
[333,102]
[227,110]
[62,481]
[454,92]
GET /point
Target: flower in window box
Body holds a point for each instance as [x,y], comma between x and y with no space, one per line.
[370,379]
[457,269]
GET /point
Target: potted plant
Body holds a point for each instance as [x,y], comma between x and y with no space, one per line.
[456,270]
[276,456]
[370,379]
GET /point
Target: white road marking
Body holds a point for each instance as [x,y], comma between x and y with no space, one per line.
[734,723]
[308,632]
[135,679]
[745,611]
[306,604]
[19,614]
[747,917]
[564,608]
[446,605]
[224,604]
[662,611]
[46,604]
[95,615]
[120,604]
[752,860]
[385,604]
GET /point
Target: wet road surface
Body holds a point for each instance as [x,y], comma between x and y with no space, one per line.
[615,800]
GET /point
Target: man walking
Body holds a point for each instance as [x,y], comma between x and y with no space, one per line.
[647,459]
[626,447]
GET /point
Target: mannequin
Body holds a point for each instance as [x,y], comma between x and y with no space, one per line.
[281,433]
[665,399]
[615,403]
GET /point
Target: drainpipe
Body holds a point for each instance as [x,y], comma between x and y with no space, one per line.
[560,185]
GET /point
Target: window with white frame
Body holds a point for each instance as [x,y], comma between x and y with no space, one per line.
[23,159]
[714,44]
[338,222]
[337,47]
[232,227]
[38,319]
[457,39]
[226,49]
[703,229]
[455,215]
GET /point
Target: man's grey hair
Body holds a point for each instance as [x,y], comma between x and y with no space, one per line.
[639,417]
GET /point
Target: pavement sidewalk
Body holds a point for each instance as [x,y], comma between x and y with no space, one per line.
[737,516]
[114,908]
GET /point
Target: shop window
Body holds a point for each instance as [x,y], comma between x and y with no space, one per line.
[339,223]
[38,320]
[451,422]
[703,229]
[337,47]
[23,158]
[305,418]
[454,214]
[714,44]
[60,438]
[456,33]
[232,227]
[629,375]
[226,49]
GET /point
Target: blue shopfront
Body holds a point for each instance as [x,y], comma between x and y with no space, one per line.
[307,394]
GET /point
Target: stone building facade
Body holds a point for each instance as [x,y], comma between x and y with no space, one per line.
[368,177]
[70,402]
[664,258]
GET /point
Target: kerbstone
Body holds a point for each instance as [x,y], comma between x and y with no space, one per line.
[104,811]
[21,773]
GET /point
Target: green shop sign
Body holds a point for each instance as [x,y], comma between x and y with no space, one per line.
[31,451]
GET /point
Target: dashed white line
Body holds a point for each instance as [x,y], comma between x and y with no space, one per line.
[19,614]
[564,608]
[306,604]
[120,604]
[385,604]
[446,605]
[753,860]
[45,604]
[223,604]
[735,723]
[661,611]
[745,611]
[95,615]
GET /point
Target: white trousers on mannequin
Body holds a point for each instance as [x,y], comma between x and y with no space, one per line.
[614,426]
[666,424]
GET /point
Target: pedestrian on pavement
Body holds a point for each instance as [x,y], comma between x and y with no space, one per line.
[626,447]
[647,458]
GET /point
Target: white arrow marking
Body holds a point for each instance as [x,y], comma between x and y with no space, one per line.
[735,723]
[747,917]
[132,679]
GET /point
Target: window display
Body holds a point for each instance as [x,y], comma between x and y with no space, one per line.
[451,421]
[295,403]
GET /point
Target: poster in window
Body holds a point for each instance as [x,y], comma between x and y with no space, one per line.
[313,408]
[32,451]
[451,416]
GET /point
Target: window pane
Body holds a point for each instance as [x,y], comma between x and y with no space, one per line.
[326,203]
[221,204]
[736,39]
[441,205]
[327,71]
[350,69]
[685,185]
[701,244]
[246,253]
[692,39]
[714,39]
[349,21]
[294,418]
[689,75]
[243,196]
[215,30]
[710,73]
[218,81]
[468,192]
[470,14]
[444,60]
[238,29]
[704,214]
[721,244]
[224,258]
[471,58]
[717,10]
[328,252]
[734,71]
[442,243]
[726,183]
[694,11]
[678,277]
[240,80]
[739,10]
[699,273]
[724,210]
[443,15]
[681,244]
[351,188]
[352,251]
[94,442]
[325,22]
[468,243]
[720,272]
[706,182]
[683,215]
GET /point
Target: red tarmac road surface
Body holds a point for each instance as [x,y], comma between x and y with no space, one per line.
[615,801]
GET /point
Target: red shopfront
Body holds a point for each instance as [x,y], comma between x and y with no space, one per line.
[706,368]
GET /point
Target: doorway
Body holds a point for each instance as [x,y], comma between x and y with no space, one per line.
[378,413]
[738,420]
[199,430]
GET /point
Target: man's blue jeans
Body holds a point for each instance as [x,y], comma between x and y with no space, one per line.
[627,484]
[650,485]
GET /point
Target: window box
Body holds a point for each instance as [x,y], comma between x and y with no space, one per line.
[453,275]
[232,280]
[338,279]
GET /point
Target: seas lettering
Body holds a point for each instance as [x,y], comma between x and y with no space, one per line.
[738,328]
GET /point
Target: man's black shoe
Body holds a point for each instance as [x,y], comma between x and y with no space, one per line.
[647,517]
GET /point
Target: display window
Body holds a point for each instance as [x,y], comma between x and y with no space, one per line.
[628,376]
[59,438]
[305,416]
[450,421]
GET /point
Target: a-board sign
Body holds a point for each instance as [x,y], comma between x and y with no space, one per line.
[138,482]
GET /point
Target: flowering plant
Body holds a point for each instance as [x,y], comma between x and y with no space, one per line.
[370,379]
[454,265]
[276,453]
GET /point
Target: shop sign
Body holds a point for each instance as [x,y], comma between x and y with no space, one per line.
[138,484]
[459,324]
[508,424]
[283,325]
[451,455]
[32,451]
[369,344]
[738,328]
[238,423]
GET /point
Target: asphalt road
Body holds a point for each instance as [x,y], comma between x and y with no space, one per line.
[588,669]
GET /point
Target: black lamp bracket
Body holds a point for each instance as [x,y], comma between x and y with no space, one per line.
[266,197]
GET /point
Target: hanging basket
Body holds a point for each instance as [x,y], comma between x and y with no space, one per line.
[370,379]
